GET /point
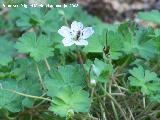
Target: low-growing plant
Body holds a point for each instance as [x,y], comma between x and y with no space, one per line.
[65,64]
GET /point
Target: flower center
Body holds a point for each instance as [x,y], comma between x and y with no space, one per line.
[77,36]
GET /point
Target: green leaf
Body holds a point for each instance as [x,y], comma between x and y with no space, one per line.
[98,40]
[6,51]
[2,22]
[37,18]
[30,17]
[138,42]
[26,68]
[69,98]
[9,100]
[101,71]
[145,43]
[38,48]
[64,76]
[152,16]
[146,80]
[48,25]
[30,87]
[114,42]
[14,102]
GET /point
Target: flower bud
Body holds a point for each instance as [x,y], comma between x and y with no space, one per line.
[93,82]
[70,114]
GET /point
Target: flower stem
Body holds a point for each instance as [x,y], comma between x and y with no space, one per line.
[82,63]
[47,64]
[144,101]
[92,92]
[26,95]
[40,77]
[79,56]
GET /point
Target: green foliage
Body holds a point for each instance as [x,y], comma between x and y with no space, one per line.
[35,17]
[31,87]
[10,101]
[146,80]
[151,16]
[114,41]
[6,51]
[69,98]
[64,76]
[140,44]
[101,71]
[46,80]
[8,2]
[38,47]
[65,87]
[129,39]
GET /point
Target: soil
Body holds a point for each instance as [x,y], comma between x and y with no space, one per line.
[111,11]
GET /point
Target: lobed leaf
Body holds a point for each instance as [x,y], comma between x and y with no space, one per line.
[7,51]
[38,47]
[146,80]
[69,98]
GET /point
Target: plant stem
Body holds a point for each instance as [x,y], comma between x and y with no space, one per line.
[122,88]
[40,77]
[103,112]
[116,103]
[124,64]
[112,103]
[30,96]
[92,92]
[131,114]
[82,63]
[113,94]
[114,110]
[79,55]
[147,110]
[144,101]
[47,64]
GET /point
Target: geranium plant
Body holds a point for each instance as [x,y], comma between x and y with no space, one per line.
[52,67]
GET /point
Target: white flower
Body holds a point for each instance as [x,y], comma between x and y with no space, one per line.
[77,34]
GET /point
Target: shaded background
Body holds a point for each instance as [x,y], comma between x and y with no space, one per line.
[109,11]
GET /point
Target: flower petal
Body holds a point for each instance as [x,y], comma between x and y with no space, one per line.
[81,42]
[67,42]
[76,26]
[65,32]
[87,32]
